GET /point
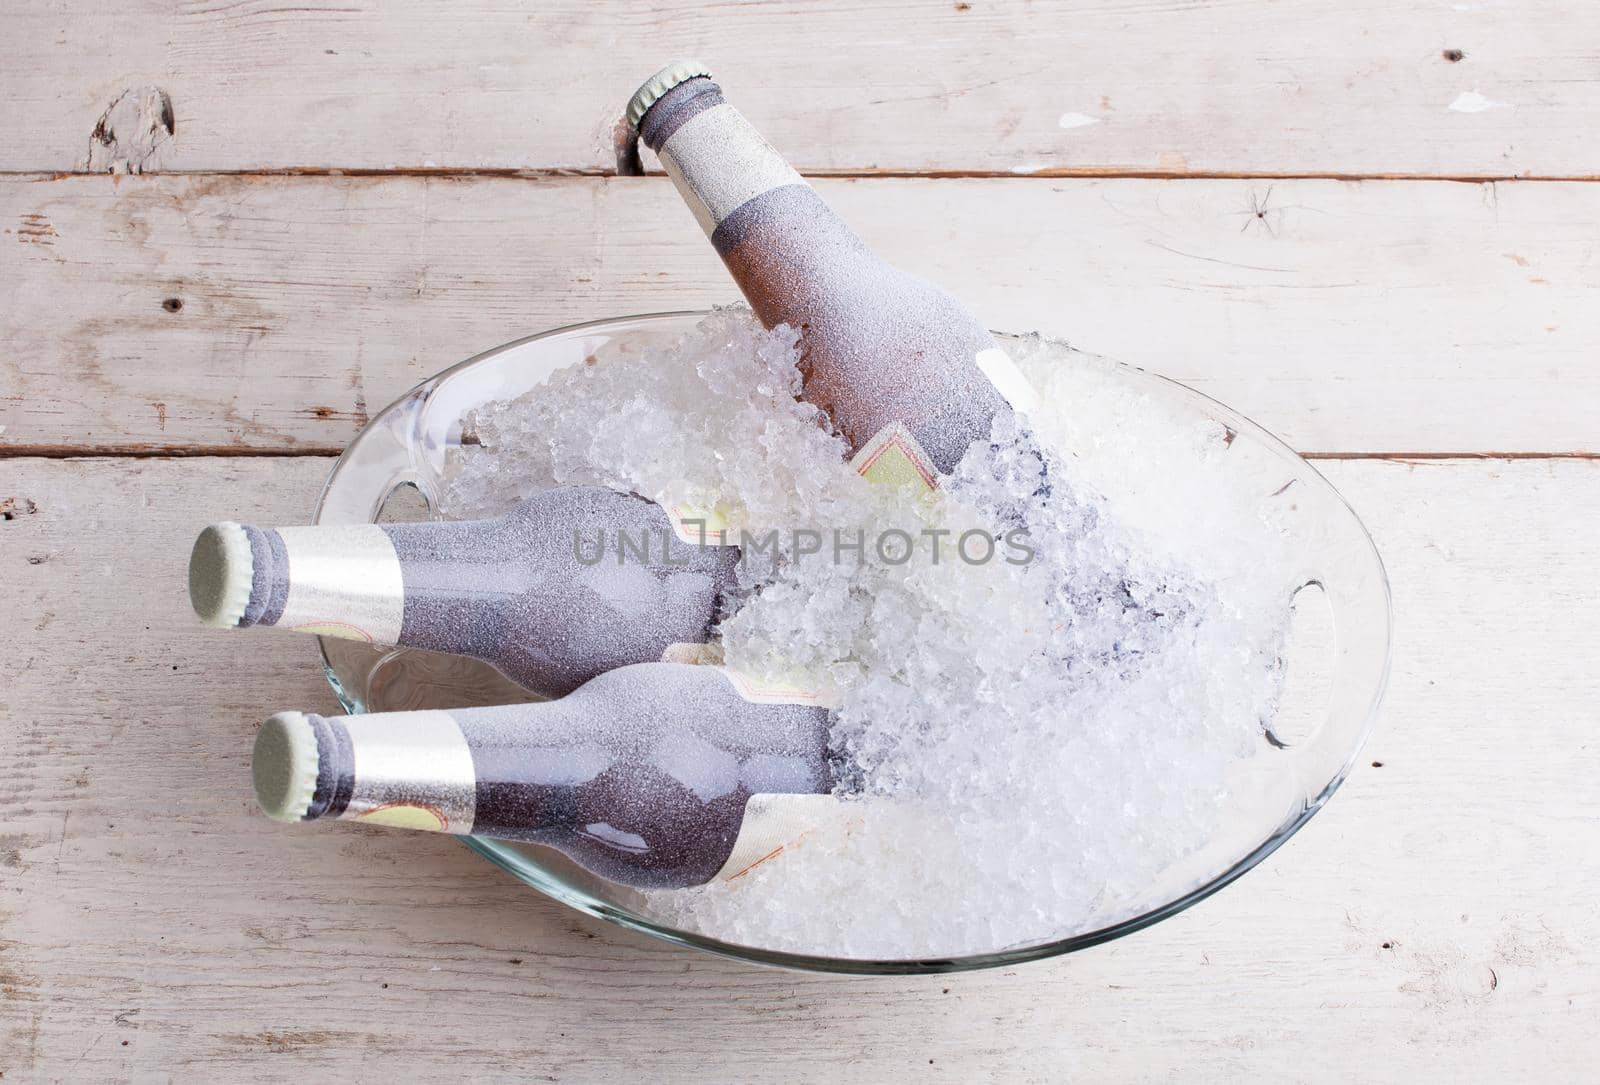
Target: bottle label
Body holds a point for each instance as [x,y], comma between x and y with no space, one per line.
[893,458]
[344,581]
[1008,380]
[412,770]
[796,687]
[774,824]
[700,525]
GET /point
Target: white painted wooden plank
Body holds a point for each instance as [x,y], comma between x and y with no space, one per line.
[1372,316]
[1299,86]
[1436,923]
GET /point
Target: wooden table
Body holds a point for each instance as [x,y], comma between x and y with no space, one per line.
[233,230]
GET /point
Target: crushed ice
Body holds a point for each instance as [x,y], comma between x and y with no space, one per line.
[1055,736]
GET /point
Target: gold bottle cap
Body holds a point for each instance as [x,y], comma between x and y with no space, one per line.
[284,766]
[679,71]
[221,572]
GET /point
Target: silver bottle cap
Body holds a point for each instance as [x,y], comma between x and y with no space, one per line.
[284,766]
[679,71]
[221,574]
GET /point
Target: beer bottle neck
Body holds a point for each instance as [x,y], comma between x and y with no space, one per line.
[716,158]
[337,580]
[411,770]
[384,584]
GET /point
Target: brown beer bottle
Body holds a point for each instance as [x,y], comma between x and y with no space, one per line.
[908,376]
[658,775]
[569,584]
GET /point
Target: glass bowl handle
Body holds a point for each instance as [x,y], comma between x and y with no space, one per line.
[1358,600]
[371,469]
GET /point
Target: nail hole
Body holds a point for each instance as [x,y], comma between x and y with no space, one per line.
[172,305]
[1454,56]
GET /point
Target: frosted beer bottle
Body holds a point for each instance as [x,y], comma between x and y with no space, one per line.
[570,584]
[907,375]
[658,775]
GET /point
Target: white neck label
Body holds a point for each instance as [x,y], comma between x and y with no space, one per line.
[344,581]
[413,770]
[720,162]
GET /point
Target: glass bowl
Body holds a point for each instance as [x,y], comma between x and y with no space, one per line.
[1336,661]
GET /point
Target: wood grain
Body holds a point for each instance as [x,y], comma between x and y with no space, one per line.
[1436,922]
[1290,86]
[182,314]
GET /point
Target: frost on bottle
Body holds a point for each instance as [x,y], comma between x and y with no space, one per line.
[549,594]
[907,375]
[659,775]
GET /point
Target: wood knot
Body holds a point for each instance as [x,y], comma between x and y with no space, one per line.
[137,125]
[11,508]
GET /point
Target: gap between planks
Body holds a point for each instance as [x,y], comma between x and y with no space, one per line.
[185,452]
[1044,173]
